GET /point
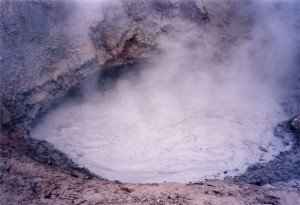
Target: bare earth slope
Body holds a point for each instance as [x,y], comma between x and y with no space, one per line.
[24,181]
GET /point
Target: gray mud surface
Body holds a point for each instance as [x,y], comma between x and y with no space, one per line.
[40,66]
[25,181]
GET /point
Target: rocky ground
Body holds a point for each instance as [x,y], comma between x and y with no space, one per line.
[282,171]
[25,181]
[40,63]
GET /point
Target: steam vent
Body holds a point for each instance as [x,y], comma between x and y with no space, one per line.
[155,102]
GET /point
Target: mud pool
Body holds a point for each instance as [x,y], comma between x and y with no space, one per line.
[134,133]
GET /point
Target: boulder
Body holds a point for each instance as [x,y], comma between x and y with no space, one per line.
[296,123]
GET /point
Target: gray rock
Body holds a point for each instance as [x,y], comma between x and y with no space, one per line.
[283,168]
[296,123]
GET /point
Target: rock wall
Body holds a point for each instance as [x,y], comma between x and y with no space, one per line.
[39,61]
[132,31]
[43,56]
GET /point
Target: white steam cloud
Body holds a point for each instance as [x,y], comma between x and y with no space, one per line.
[86,14]
[186,117]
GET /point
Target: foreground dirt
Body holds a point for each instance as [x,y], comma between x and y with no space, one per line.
[24,181]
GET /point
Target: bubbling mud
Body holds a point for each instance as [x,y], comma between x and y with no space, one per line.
[177,129]
[191,113]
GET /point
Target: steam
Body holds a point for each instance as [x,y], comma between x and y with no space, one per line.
[86,14]
[187,116]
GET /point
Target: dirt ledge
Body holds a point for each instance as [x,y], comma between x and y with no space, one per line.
[25,181]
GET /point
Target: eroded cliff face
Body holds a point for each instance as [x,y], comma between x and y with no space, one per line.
[44,54]
[40,60]
[133,32]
